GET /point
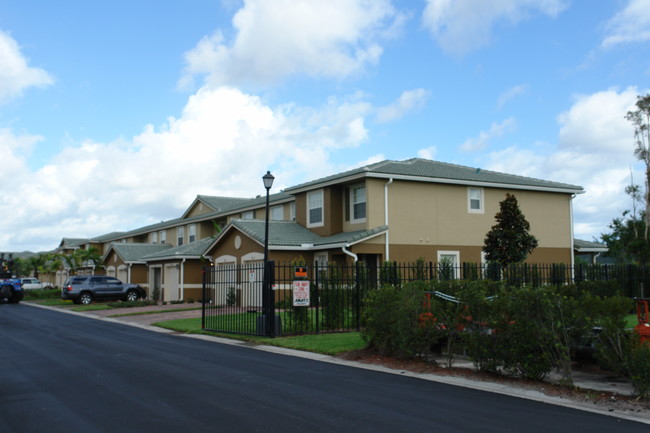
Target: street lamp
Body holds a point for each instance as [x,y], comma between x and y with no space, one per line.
[266,282]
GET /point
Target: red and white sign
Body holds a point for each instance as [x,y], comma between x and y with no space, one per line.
[301,293]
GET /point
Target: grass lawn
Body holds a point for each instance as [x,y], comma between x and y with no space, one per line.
[329,344]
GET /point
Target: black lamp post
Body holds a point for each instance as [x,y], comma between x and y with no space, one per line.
[266,282]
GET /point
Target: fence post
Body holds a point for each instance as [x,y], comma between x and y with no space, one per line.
[357,283]
[203,295]
[317,293]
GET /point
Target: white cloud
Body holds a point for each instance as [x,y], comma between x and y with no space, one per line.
[511,93]
[221,144]
[287,37]
[428,152]
[15,74]
[497,130]
[596,123]
[595,150]
[632,24]
[463,26]
[408,101]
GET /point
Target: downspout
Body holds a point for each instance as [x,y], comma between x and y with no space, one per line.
[182,285]
[128,273]
[387,252]
[572,245]
[350,253]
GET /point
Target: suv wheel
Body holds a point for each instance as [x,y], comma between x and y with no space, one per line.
[132,295]
[85,298]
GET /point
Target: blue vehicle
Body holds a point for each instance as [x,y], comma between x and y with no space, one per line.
[11,289]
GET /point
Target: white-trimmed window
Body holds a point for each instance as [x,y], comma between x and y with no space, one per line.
[475,200]
[321,260]
[163,236]
[315,209]
[249,215]
[191,233]
[277,213]
[154,237]
[292,211]
[449,264]
[358,203]
[180,235]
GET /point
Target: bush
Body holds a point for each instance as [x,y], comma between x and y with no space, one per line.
[639,368]
[42,294]
[399,322]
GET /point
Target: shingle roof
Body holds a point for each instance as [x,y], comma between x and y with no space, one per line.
[292,234]
[72,242]
[435,171]
[135,252]
[107,237]
[587,246]
[192,250]
[219,204]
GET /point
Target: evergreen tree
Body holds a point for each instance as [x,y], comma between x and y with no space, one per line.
[509,240]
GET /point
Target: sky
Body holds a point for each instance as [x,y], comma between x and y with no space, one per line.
[116,115]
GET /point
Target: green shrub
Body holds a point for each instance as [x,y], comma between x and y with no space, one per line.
[42,294]
[231,297]
[399,322]
[639,368]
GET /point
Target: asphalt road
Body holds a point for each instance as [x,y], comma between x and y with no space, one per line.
[65,373]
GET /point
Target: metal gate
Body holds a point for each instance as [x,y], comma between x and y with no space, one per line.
[232,298]
[330,299]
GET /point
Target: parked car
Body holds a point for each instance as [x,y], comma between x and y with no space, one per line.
[83,289]
[32,284]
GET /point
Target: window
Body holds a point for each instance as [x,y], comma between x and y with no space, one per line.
[358,203]
[320,261]
[292,211]
[154,237]
[248,215]
[475,200]
[315,209]
[449,265]
[191,232]
[180,235]
[277,213]
[163,237]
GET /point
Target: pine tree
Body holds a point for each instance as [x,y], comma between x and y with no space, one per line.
[509,240]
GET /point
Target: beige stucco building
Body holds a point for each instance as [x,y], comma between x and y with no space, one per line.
[388,211]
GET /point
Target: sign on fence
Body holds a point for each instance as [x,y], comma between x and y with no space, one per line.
[301,293]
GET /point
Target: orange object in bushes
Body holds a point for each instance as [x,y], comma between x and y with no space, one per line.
[643,328]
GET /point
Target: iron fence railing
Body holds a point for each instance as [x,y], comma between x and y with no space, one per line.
[330,298]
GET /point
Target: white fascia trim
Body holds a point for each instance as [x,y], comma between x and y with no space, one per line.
[474,183]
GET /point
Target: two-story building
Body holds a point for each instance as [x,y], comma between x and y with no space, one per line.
[391,210]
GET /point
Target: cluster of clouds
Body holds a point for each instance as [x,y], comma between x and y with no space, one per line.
[232,135]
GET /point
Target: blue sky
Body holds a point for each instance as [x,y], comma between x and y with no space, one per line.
[117,114]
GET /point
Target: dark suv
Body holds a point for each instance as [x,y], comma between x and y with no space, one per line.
[83,289]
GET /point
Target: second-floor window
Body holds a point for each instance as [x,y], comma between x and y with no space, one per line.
[191,232]
[180,236]
[163,237]
[248,215]
[292,211]
[475,200]
[154,237]
[315,208]
[358,203]
[277,213]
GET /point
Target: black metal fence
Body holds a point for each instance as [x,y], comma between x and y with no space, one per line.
[330,299]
